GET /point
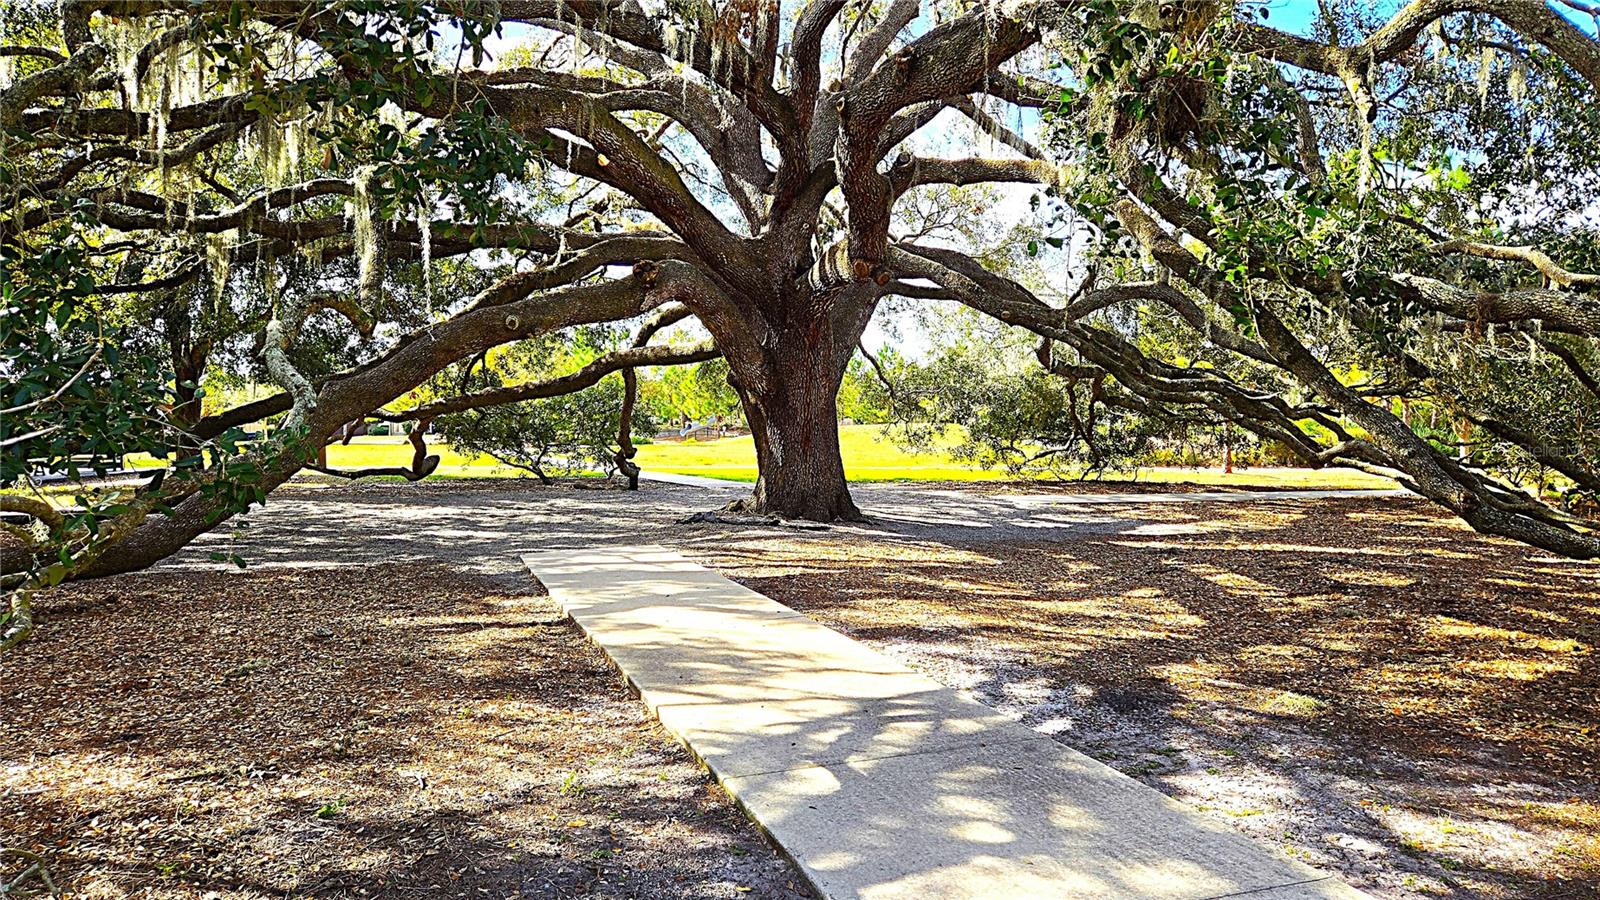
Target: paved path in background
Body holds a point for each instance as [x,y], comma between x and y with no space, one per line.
[1023,501]
[879,782]
[694,480]
[1047,499]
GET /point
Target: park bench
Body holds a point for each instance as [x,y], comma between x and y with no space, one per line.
[78,467]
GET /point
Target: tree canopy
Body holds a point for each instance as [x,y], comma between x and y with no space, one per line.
[347,198]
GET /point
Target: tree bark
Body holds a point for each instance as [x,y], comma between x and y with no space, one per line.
[625,449]
[189,357]
[354,396]
[796,431]
[794,421]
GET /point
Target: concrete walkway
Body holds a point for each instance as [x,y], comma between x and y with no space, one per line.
[693,480]
[1024,501]
[877,781]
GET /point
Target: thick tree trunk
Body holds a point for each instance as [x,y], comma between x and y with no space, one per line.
[795,424]
[796,431]
[188,367]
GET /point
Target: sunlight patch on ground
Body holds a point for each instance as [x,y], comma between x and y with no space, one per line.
[1446,628]
[1204,682]
[1367,578]
[1230,580]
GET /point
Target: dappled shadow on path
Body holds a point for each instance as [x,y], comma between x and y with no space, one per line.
[1404,700]
[879,780]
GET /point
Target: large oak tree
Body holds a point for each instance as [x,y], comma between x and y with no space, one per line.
[283,186]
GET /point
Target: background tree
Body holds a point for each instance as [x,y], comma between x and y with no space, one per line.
[565,432]
[696,393]
[563,435]
[983,393]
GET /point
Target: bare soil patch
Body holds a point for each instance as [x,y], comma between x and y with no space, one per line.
[329,729]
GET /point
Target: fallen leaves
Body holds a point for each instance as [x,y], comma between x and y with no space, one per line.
[328,730]
[1377,628]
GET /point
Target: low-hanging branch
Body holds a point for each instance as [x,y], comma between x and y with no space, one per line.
[571,383]
[422,465]
[1553,272]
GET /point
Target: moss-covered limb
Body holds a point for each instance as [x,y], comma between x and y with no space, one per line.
[1483,503]
[343,400]
[32,506]
[1533,20]
[19,621]
[34,867]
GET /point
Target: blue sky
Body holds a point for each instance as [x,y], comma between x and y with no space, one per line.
[1297,15]
[1291,15]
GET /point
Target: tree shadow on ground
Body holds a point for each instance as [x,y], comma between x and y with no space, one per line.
[401,729]
[1406,701]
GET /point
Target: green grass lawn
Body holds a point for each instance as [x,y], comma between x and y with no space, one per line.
[372,452]
[868,456]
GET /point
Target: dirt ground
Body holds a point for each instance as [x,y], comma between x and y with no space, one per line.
[380,706]
[1358,682]
[374,730]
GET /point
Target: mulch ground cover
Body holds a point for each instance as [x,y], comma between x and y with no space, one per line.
[1361,682]
[375,731]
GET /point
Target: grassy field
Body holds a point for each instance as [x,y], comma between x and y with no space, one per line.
[371,452]
[868,456]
